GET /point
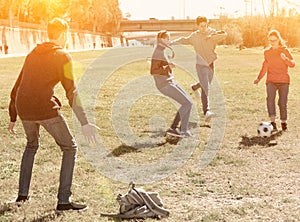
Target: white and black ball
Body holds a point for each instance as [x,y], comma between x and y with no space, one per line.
[265,129]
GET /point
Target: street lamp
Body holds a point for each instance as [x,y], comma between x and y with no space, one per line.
[183,9]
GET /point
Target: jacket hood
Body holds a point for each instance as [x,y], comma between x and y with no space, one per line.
[46,47]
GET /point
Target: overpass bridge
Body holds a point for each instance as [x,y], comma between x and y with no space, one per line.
[153,25]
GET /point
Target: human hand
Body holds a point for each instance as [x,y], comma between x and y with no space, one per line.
[11,128]
[283,56]
[220,32]
[208,37]
[172,65]
[256,81]
[88,131]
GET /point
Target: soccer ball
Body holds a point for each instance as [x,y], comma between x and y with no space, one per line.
[264,129]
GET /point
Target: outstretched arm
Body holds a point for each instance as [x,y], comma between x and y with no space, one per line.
[182,40]
[218,36]
[67,80]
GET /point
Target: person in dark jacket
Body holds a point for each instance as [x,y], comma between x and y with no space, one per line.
[33,100]
[161,70]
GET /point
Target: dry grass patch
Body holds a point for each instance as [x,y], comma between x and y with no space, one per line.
[250,179]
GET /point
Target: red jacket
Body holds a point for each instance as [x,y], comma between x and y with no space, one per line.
[275,67]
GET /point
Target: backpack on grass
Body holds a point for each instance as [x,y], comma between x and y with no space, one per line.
[137,203]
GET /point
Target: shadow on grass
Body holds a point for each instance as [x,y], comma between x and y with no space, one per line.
[171,140]
[205,126]
[48,216]
[123,149]
[154,134]
[257,140]
[5,208]
[12,207]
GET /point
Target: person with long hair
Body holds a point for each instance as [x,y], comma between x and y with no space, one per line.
[277,60]
[161,70]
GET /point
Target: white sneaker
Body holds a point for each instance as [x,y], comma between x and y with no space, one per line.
[186,134]
[173,132]
[208,116]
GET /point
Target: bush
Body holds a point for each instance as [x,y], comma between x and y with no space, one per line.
[255,30]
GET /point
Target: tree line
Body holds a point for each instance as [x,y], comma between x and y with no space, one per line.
[93,15]
[104,16]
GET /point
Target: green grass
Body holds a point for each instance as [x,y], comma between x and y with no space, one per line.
[249,179]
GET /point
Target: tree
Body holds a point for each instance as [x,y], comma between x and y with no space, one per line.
[107,15]
[92,15]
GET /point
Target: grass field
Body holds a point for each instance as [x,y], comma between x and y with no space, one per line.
[248,179]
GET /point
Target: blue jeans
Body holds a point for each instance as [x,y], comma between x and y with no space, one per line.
[283,91]
[175,92]
[59,130]
[205,75]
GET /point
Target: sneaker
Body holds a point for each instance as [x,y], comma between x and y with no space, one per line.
[186,134]
[22,199]
[274,127]
[284,126]
[71,206]
[195,88]
[173,132]
[208,116]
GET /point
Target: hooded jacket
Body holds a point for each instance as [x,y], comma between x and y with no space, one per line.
[32,97]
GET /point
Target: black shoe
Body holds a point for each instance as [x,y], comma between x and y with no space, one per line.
[22,199]
[274,127]
[71,206]
[195,86]
[284,126]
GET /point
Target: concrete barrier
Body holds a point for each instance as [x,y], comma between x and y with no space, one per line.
[17,40]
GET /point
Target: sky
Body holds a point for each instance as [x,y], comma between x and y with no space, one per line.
[180,9]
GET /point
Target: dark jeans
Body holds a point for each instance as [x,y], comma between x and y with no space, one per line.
[59,130]
[283,91]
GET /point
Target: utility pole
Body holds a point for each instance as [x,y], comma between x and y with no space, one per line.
[184,16]
[246,7]
[263,6]
[272,8]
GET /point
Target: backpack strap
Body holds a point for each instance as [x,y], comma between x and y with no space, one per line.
[160,211]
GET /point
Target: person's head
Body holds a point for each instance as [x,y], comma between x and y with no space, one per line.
[275,39]
[57,31]
[163,39]
[202,23]
[163,35]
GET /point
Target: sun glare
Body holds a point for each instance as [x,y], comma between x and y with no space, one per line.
[179,9]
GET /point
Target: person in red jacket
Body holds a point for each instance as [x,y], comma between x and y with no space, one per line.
[277,59]
[33,100]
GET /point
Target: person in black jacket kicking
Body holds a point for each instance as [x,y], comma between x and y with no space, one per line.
[161,70]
